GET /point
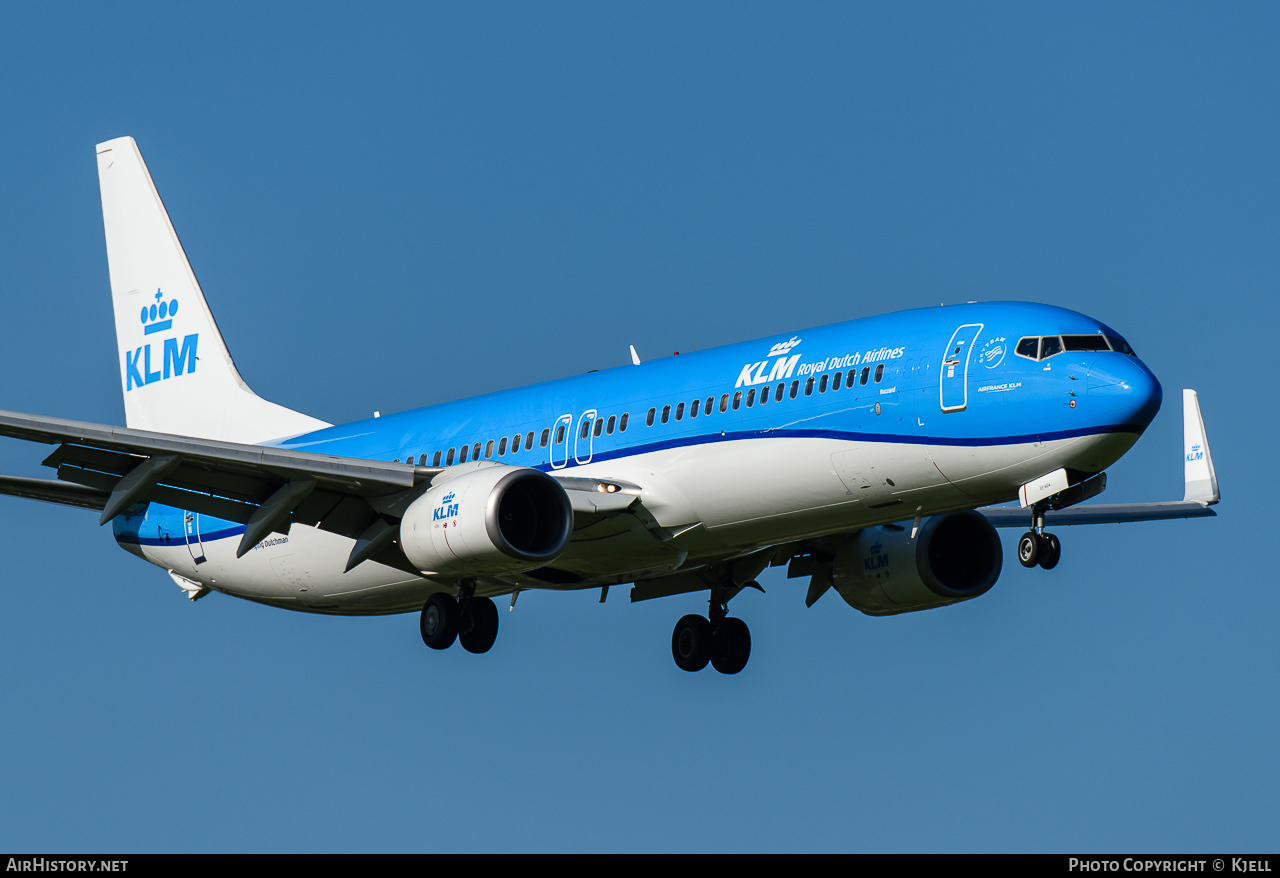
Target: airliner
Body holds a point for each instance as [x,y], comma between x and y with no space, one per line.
[869,457]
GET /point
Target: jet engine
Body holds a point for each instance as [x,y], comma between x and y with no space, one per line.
[883,570]
[490,520]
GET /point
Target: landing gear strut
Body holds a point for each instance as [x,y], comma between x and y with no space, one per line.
[721,639]
[1038,547]
[471,620]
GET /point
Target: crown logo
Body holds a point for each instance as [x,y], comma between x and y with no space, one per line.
[875,549]
[159,316]
[784,346]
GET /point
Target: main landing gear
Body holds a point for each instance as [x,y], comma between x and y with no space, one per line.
[470,620]
[1038,547]
[721,639]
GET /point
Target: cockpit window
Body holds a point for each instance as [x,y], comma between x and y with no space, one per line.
[1120,346]
[1085,343]
[1048,345]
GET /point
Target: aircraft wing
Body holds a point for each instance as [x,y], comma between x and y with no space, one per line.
[1200,488]
[266,489]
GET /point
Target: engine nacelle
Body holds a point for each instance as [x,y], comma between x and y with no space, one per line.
[883,571]
[489,520]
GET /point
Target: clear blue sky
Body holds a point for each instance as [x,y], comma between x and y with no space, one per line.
[398,206]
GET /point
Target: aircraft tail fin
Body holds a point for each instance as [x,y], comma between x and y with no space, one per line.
[175,369]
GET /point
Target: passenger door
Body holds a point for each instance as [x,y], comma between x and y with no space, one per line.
[560,440]
[583,440]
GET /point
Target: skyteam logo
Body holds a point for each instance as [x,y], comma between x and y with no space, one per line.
[177,360]
[993,353]
[783,366]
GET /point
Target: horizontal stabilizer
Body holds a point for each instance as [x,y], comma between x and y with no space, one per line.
[1099,513]
[1200,488]
[54,491]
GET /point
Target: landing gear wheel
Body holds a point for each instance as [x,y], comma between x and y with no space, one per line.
[1050,551]
[439,621]
[691,643]
[730,645]
[1029,549]
[478,626]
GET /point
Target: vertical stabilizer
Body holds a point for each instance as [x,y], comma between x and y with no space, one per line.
[1201,481]
[175,370]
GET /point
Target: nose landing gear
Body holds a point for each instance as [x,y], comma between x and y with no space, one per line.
[1038,547]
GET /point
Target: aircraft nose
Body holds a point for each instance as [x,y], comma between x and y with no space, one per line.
[1123,390]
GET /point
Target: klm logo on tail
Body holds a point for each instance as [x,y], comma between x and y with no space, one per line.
[174,359]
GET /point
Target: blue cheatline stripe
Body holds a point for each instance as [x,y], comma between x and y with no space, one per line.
[179,539]
[887,438]
[690,441]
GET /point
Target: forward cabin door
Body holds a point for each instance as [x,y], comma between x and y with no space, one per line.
[953,383]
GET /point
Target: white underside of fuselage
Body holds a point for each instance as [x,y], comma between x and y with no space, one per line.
[711,502]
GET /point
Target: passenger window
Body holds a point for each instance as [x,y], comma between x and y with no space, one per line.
[853,377]
[599,426]
[475,451]
[680,411]
[586,428]
[777,397]
[666,413]
[515,443]
[764,394]
[528,440]
[795,388]
[502,446]
[1028,347]
[1050,345]
[613,420]
[648,419]
[693,408]
[879,372]
[622,422]
[751,397]
[559,434]
[808,387]
[546,434]
[710,405]
[462,456]
[822,384]
[835,382]
[724,403]
[448,461]
[737,399]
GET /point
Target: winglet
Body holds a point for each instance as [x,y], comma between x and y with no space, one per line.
[1201,481]
[635,358]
